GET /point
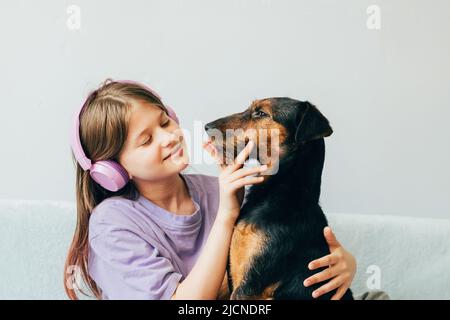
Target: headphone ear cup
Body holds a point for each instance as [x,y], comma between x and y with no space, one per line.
[109,174]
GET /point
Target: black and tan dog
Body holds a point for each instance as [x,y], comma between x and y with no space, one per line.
[280,227]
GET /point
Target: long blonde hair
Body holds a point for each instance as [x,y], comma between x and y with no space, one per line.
[103,131]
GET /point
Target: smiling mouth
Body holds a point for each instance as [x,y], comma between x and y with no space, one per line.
[174,151]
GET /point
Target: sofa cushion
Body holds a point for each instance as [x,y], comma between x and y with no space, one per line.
[412,255]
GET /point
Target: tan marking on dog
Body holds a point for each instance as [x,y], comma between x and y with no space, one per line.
[263,105]
[269,147]
[260,131]
[268,292]
[246,243]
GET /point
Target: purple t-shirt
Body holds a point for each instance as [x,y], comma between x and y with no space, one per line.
[139,250]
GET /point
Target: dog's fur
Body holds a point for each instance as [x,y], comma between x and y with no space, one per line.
[280,227]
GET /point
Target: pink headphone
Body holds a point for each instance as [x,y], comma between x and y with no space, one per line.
[107,173]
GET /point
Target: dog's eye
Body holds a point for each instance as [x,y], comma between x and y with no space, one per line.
[259,114]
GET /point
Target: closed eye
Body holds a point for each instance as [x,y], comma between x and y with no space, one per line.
[165,124]
[146,142]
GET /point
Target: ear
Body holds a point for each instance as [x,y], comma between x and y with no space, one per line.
[311,124]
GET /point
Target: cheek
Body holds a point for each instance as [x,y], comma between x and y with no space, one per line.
[143,161]
[152,155]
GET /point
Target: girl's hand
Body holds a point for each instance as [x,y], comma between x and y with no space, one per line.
[341,269]
[233,178]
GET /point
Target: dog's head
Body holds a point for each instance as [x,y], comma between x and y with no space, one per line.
[276,125]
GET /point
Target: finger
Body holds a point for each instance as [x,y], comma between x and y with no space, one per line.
[340,292]
[244,172]
[331,238]
[329,286]
[326,261]
[209,147]
[212,149]
[324,275]
[238,162]
[246,181]
[242,156]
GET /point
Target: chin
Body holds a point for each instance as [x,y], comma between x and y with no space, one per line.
[179,164]
[182,165]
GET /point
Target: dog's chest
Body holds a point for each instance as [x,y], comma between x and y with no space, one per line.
[246,243]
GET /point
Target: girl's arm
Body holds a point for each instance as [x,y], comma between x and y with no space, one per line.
[206,276]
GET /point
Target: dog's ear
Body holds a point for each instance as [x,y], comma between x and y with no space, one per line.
[311,124]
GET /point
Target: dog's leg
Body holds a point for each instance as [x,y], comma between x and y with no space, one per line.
[260,282]
[247,292]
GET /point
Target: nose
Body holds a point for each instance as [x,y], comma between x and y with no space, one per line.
[169,138]
[209,126]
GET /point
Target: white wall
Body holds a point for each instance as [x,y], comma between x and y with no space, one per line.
[386,92]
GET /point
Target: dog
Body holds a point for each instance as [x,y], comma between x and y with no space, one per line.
[280,226]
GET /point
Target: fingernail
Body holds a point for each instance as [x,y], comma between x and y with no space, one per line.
[311,265]
[306,283]
[264,167]
[315,294]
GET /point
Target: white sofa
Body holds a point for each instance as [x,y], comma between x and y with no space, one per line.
[411,255]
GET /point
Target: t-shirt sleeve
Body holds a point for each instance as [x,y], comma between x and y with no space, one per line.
[125,266]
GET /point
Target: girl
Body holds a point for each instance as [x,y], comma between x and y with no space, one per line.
[149,231]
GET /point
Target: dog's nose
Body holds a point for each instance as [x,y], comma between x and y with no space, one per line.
[209,126]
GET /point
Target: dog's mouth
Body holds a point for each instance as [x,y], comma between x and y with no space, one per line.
[220,149]
[211,143]
[227,151]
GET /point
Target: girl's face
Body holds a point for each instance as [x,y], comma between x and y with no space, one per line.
[155,147]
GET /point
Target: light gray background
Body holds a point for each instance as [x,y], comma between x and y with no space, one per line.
[385,92]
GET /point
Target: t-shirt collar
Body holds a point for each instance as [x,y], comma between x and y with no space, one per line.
[170,218]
